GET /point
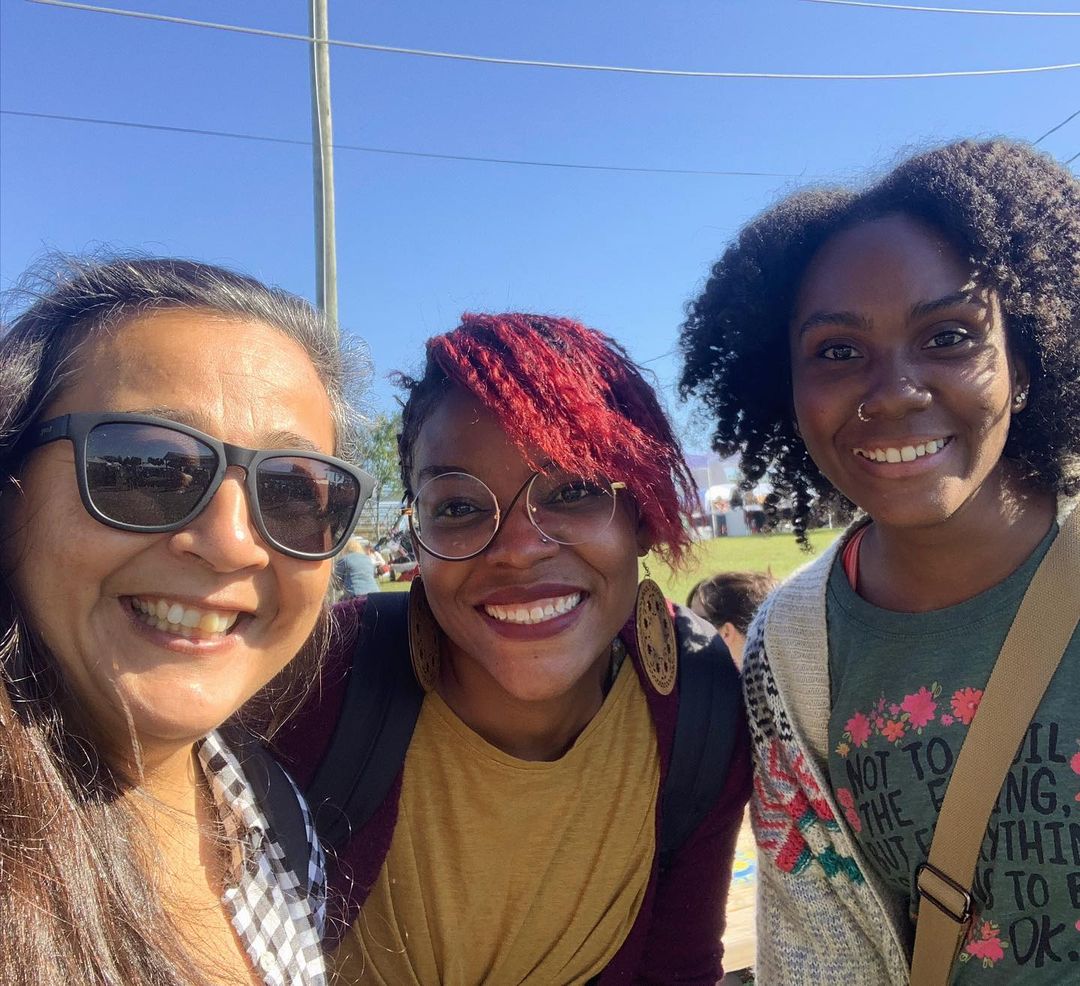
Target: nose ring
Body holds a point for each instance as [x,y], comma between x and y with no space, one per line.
[860,412]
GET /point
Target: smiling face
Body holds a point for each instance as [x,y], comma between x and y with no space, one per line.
[902,378]
[528,615]
[93,592]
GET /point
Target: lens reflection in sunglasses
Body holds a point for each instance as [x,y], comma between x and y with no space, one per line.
[306,504]
[144,475]
[149,476]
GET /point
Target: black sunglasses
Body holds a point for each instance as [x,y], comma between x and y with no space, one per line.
[151,475]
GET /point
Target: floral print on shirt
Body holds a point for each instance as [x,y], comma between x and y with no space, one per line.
[894,721]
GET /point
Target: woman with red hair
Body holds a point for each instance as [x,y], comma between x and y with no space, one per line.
[552,791]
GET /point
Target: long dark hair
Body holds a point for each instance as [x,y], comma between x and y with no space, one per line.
[1013,212]
[77,903]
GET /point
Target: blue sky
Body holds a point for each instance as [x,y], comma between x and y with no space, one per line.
[420,240]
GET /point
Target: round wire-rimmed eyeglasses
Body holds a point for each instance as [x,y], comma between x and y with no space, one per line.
[455,515]
[150,475]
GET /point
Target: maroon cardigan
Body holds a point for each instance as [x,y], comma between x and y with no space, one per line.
[676,937]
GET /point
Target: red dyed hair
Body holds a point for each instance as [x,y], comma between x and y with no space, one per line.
[572,392]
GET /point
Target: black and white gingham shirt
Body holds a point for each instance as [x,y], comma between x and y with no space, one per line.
[279,920]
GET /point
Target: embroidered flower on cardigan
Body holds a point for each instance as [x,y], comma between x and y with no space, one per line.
[847,802]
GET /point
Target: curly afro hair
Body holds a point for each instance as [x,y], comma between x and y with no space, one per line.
[571,392]
[1013,212]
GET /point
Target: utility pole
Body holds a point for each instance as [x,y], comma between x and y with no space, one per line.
[322,143]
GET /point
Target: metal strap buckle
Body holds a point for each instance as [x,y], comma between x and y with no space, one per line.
[963,893]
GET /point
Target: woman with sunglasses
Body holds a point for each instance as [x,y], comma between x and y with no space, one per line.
[170,499]
[521,835]
[914,349]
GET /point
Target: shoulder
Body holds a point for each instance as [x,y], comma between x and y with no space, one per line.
[306,735]
[702,653]
[798,595]
[790,627]
[704,673]
[251,780]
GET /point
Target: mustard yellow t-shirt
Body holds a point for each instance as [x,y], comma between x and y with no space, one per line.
[504,871]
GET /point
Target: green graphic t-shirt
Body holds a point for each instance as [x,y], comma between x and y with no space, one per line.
[904,690]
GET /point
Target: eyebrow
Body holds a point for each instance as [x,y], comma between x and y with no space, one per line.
[274,440]
[855,321]
[848,319]
[954,300]
[429,472]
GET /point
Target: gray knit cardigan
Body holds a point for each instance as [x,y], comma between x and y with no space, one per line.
[823,914]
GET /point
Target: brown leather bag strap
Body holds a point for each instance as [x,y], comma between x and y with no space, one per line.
[1044,624]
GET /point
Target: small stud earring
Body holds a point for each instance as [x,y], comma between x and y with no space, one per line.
[1020,399]
[860,412]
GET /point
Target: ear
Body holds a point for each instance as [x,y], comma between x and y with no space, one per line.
[644,542]
[727,633]
[1021,383]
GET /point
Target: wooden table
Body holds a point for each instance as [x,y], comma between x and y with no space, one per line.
[740,936]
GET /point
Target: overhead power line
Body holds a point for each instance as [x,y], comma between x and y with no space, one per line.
[1073,158]
[235,135]
[1058,127]
[533,63]
[949,10]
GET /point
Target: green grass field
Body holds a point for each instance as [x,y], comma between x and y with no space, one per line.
[778,553]
[757,553]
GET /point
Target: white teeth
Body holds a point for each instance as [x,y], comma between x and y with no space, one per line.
[906,453]
[185,621]
[537,612]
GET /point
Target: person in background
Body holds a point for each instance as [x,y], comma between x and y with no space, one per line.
[165,545]
[914,348]
[381,567]
[355,568]
[522,838]
[729,601]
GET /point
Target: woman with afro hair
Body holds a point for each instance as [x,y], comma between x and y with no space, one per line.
[529,827]
[913,349]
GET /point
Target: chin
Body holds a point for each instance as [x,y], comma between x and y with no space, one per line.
[535,684]
[182,717]
[915,513]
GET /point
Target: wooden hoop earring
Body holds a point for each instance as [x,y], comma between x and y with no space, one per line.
[424,645]
[655,635]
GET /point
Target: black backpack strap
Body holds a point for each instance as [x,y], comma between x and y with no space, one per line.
[378,715]
[279,800]
[709,699]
